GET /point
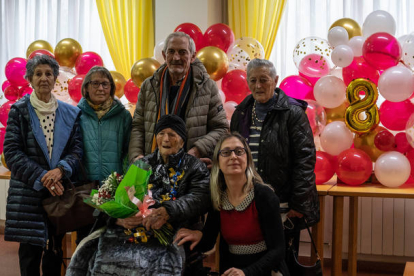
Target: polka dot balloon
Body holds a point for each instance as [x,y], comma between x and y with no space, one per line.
[313,45]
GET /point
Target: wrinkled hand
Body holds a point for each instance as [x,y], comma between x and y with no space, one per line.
[208,162]
[292,214]
[51,180]
[156,219]
[186,235]
[131,222]
[233,272]
[194,152]
[139,157]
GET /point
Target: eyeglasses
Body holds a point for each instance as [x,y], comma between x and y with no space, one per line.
[96,84]
[227,152]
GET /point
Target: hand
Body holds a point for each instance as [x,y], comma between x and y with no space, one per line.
[56,189]
[156,219]
[292,214]
[186,235]
[51,178]
[139,157]
[131,222]
[194,152]
[233,271]
[208,162]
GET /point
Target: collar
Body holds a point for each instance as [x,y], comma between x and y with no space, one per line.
[173,159]
[242,206]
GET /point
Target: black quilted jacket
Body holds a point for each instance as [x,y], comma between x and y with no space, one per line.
[287,152]
[26,156]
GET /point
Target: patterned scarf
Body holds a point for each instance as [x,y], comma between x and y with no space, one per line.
[42,107]
[101,109]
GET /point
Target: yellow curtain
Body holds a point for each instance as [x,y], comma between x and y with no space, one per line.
[128,26]
[258,19]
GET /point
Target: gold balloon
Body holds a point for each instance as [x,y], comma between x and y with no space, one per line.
[3,161]
[362,115]
[120,82]
[38,45]
[142,69]
[67,51]
[350,25]
[366,143]
[215,61]
[337,113]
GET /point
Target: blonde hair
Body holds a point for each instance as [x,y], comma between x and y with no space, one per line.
[217,182]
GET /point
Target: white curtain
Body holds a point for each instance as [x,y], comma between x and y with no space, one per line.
[24,21]
[304,18]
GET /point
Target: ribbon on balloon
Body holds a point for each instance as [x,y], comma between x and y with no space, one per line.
[362,114]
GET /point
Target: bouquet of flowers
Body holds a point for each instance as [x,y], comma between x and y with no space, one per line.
[124,196]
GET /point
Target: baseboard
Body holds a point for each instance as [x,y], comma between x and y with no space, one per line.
[364,266]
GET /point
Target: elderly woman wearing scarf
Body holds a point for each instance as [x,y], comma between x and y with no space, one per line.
[179,201]
[105,125]
[42,145]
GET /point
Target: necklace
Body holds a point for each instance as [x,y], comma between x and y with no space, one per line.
[254,118]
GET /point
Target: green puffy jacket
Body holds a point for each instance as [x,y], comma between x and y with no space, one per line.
[106,140]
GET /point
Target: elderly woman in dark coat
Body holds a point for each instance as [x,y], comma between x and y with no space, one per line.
[179,201]
[42,145]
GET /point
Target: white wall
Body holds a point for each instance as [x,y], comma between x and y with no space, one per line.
[169,14]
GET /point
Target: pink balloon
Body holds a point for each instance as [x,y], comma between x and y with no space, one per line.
[316,116]
[314,65]
[354,166]
[75,87]
[229,107]
[381,50]
[4,112]
[297,87]
[401,143]
[359,68]
[86,61]
[2,133]
[394,116]
[25,90]
[5,84]
[11,93]
[310,79]
[15,71]
[384,140]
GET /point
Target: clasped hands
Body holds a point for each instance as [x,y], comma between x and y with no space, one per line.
[155,220]
[52,181]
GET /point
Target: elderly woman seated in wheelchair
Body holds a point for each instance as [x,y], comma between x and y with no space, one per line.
[108,251]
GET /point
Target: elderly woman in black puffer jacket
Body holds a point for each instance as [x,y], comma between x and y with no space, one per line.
[180,188]
[42,145]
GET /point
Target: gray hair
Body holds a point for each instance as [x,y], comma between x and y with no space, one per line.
[38,60]
[257,62]
[102,71]
[217,182]
[191,44]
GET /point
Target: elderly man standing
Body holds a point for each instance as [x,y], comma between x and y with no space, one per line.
[280,138]
[182,87]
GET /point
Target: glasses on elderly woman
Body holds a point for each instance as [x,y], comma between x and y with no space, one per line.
[96,84]
[227,152]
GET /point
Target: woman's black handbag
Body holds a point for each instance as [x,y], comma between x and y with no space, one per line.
[298,268]
[68,212]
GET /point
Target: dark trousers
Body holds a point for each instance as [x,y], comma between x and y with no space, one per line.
[30,257]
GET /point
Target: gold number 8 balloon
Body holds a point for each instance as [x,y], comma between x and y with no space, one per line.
[362,114]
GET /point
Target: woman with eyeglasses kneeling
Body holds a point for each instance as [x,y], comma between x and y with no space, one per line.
[246,214]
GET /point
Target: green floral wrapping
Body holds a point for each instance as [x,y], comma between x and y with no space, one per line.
[121,206]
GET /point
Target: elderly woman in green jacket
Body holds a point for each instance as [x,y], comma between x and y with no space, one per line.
[105,125]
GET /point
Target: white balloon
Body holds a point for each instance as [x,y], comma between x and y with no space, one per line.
[336,72]
[158,52]
[342,55]
[336,137]
[392,169]
[229,107]
[338,36]
[222,95]
[329,91]
[408,51]
[356,43]
[402,39]
[396,84]
[378,21]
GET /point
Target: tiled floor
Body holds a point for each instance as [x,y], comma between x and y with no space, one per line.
[9,265]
